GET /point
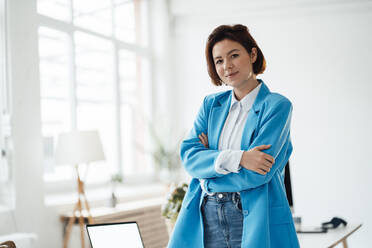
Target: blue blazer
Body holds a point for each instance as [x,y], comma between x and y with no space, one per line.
[267,221]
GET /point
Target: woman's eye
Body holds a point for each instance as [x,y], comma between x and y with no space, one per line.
[235,55]
[218,61]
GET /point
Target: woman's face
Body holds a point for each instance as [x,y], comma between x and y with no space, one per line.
[233,63]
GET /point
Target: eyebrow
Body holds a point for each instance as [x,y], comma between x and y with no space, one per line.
[234,50]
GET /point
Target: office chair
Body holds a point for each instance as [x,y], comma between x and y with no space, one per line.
[8,244]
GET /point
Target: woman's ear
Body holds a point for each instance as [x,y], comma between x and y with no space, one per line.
[253,54]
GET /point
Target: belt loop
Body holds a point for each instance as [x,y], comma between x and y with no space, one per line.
[237,196]
[233,197]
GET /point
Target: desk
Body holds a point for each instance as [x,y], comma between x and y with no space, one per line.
[329,239]
[147,213]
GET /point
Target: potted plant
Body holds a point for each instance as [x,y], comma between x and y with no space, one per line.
[172,207]
[114,181]
[165,154]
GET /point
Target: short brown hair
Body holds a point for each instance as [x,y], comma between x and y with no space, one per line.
[240,34]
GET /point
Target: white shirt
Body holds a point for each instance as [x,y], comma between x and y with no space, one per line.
[231,136]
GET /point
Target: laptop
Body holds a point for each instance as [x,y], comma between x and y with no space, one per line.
[115,235]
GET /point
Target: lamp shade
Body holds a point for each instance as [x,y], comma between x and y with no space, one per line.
[77,147]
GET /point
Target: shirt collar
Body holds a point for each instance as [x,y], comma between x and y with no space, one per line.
[247,101]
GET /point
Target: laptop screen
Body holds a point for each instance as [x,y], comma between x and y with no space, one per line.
[115,235]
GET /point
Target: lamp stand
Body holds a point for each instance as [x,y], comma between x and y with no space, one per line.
[78,212]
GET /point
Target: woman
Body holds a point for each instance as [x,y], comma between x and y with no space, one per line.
[236,153]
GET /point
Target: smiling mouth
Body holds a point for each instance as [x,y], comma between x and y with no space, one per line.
[232,74]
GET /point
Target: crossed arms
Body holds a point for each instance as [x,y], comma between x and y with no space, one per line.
[257,167]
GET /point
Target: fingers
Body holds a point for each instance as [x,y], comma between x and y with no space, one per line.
[266,159]
[269,158]
[258,161]
[262,147]
[205,136]
[204,139]
[263,170]
[262,167]
[201,138]
[260,171]
[264,164]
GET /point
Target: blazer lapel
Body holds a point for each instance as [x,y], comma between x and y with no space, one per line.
[252,119]
[218,117]
[249,128]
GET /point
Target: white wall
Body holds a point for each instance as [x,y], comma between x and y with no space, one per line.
[28,212]
[318,55]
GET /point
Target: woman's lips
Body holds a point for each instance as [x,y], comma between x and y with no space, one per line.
[232,74]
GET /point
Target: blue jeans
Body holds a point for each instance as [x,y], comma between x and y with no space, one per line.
[223,220]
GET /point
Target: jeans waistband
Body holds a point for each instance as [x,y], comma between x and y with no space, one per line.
[223,197]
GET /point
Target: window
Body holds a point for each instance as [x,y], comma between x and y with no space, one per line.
[55,92]
[58,9]
[132,68]
[94,73]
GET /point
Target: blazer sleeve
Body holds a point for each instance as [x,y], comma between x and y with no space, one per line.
[274,130]
[197,160]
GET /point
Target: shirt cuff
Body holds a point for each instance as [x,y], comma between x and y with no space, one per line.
[202,184]
[228,161]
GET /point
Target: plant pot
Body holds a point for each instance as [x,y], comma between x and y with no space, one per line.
[170,226]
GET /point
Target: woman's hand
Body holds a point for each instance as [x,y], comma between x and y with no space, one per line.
[256,160]
[204,140]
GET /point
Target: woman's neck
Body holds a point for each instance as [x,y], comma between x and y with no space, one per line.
[246,88]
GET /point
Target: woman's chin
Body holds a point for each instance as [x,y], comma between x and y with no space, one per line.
[233,84]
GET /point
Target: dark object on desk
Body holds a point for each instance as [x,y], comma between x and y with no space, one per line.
[314,229]
[334,223]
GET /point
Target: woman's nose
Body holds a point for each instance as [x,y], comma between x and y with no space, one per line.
[228,65]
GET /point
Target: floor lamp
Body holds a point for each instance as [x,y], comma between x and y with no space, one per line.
[75,148]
